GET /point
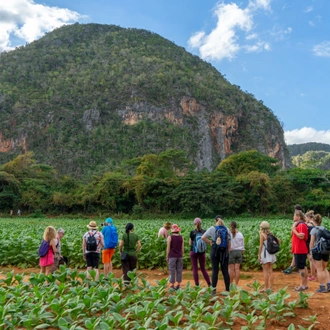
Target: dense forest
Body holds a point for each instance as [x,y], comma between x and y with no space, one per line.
[248,183]
[86,97]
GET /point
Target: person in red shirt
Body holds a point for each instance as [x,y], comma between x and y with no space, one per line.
[299,247]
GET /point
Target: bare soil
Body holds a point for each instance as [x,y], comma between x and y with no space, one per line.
[319,303]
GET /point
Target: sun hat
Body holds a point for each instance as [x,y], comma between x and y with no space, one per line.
[175,228]
[109,220]
[60,230]
[264,225]
[167,225]
[92,225]
[197,220]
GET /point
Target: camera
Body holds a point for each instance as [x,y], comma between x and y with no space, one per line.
[104,224]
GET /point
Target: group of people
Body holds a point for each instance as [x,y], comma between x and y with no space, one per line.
[226,250]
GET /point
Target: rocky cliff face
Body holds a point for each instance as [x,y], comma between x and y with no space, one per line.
[215,132]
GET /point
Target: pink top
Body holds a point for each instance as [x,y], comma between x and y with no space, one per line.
[163,232]
[48,259]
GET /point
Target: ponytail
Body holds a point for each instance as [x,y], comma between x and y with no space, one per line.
[233,226]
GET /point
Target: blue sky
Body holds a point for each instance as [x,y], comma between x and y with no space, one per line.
[278,50]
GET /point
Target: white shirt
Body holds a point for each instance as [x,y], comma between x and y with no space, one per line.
[237,242]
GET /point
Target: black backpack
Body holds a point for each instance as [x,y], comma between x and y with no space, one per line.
[272,244]
[91,243]
[323,244]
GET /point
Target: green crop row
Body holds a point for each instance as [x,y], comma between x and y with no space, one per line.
[21,237]
[68,300]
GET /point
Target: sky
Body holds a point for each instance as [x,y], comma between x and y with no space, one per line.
[277,50]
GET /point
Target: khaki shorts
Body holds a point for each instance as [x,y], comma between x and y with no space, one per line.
[235,257]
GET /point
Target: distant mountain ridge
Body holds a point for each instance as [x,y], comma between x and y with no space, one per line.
[300,149]
[86,97]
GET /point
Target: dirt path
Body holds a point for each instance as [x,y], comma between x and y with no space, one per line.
[319,304]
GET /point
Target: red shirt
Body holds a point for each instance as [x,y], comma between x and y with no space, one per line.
[299,246]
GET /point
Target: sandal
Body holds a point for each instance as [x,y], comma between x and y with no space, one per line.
[301,288]
[311,278]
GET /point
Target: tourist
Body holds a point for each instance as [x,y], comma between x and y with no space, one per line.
[197,252]
[58,256]
[174,254]
[320,260]
[91,247]
[299,248]
[219,238]
[265,258]
[129,247]
[289,270]
[236,253]
[163,232]
[110,235]
[310,224]
[47,261]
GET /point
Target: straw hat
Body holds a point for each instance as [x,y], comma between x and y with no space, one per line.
[264,225]
[92,225]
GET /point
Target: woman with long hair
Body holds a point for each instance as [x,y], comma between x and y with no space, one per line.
[320,260]
[47,261]
[129,247]
[310,224]
[236,253]
[266,259]
[197,252]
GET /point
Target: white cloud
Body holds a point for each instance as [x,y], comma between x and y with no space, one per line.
[307,134]
[27,20]
[280,33]
[309,9]
[322,49]
[223,41]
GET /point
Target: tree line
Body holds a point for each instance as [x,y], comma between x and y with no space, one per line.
[247,183]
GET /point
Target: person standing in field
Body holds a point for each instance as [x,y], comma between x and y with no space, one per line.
[129,247]
[219,238]
[198,251]
[91,247]
[320,260]
[163,232]
[310,224]
[58,256]
[47,261]
[299,248]
[265,258]
[110,235]
[174,254]
[289,270]
[236,253]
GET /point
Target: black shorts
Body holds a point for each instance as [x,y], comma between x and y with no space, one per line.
[300,260]
[93,259]
[319,256]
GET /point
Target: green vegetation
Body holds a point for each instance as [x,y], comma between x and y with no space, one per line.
[313,159]
[70,301]
[248,183]
[300,149]
[22,237]
[64,97]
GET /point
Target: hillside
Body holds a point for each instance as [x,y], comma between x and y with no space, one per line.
[300,149]
[85,97]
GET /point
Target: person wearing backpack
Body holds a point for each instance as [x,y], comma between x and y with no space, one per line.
[264,257]
[320,259]
[58,255]
[91,248]
[47,250]
[129,247]
[299,248]
[310,224]
[219,238]
[236,253]
[110,235]
[197,252]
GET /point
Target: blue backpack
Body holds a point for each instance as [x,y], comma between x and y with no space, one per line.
[110,237]
[221,233]
[43,249]
[199,246]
